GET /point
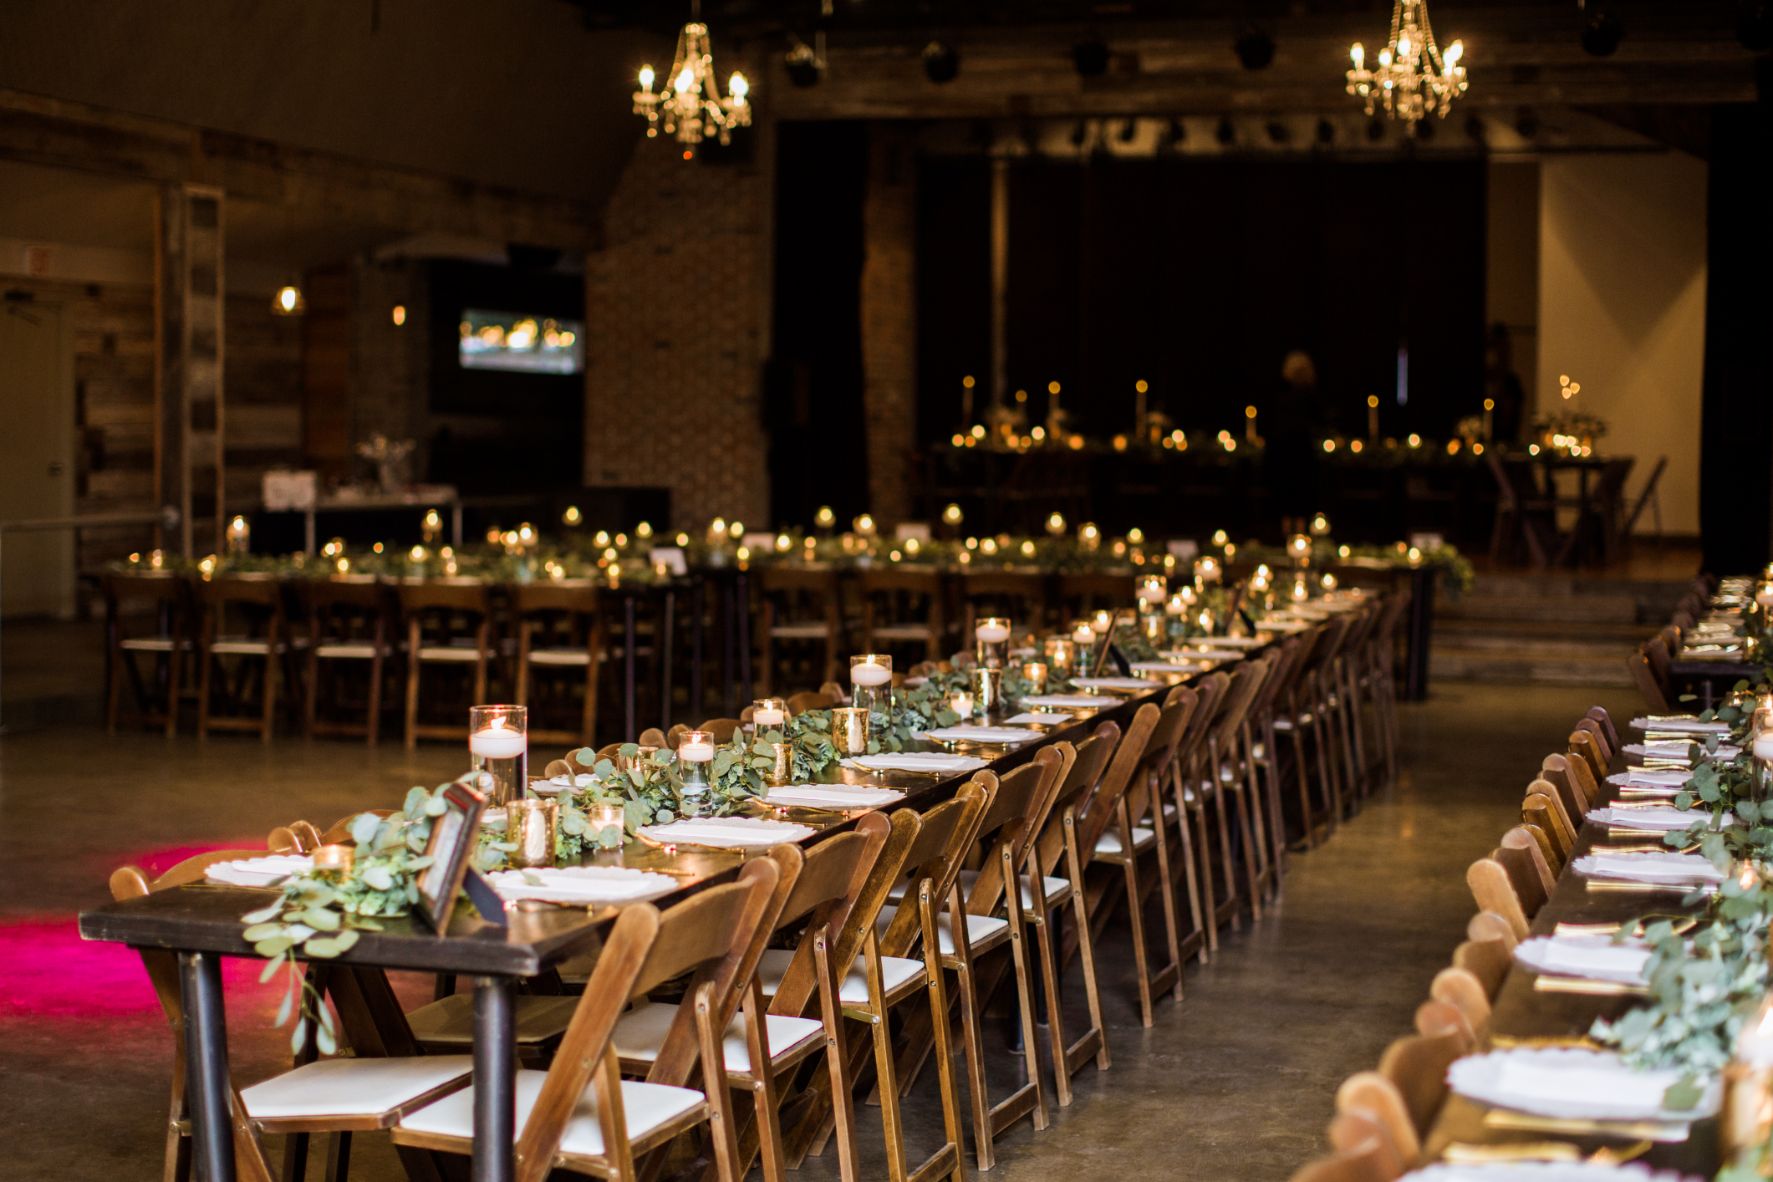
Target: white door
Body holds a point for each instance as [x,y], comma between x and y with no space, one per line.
[36,459]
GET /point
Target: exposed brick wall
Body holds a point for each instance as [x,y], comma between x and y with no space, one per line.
[888,314]
[677,311]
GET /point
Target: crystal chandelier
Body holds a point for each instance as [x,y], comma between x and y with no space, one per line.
[1415,78]
[691,107]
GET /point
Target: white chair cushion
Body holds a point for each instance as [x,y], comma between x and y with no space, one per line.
[1109,842]
[902,631]
[346,651]
[1057,889]
[800,631]
[352,1087]
[895,972]
[559,656]
[447,652]
[151,644]
[242,646]
[640,1034]
[646,1107]
[980,929]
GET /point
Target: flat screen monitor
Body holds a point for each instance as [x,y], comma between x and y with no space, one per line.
[521,342]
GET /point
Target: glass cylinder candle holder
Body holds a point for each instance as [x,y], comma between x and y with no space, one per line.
[532,826]
[498,744]
[695,751]
[239,537]
[1301,591]
[987,691]
[769,714]
[1207,570]
[1154,627]
[1061,656]
[961,702]
[1299,549]
[431,527]
[992,634]
[849,730]
[871,675]
[1151,591]
[1035,673]
[1764,595]
[605,816]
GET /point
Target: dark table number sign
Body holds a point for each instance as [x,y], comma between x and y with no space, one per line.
[451,849]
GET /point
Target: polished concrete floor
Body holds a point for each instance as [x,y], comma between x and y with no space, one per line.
[1236,1083]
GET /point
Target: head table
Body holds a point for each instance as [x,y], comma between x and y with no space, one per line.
[201,923]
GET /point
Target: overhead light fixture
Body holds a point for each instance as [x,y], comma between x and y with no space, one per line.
[1602,30]
[804,64]
[398,315]
[1254,47]
[1090,57]
[288,301]
[1414,78]
[691,107]
[940,62]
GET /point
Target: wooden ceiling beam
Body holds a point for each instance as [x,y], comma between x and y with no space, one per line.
[39,130]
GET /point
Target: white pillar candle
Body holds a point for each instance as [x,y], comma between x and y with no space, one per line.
[1764,595]
[1101,622]
[1763,746]
[766,717]
[1084,634]
[1177,606]
[992,632]
[498,741]
[870,673]
[696,750]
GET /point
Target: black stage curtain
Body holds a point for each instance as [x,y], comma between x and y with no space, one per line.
[1199,276]
[1736,443]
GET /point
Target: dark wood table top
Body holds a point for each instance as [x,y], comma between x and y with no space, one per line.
[205,917]
[1523,1013]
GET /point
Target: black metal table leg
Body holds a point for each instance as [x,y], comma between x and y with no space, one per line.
[206,1050]
[665,644]
[629,640]
[495,1080]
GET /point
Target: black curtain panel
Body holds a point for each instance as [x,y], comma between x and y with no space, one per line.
[1198,276]
[813,381]
[1736,439]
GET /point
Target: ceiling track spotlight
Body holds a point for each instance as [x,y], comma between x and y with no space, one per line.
[1602,30]
[941,62]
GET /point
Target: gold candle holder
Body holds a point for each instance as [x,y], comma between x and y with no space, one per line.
[334,859]
[781,765]
[532,825]
[987,691]
[849,730]
[1036,674]
[992,635]
[1061,656]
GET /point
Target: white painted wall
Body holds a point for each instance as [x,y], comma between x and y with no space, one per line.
[1622,309]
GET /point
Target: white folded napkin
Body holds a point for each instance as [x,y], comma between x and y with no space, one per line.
[1670,868]
[1661,818]
[581,884]
[1112,683]
[833,796]
[1670,749]
[1213,654]
[1216,642]
[916,761]
[1040,718]
[981,734]
[1066,701]
[1171,666]
[1591,957]
[1680,724]
[1570,1083]
[1652,777]
[259,872]
[1544,1171]
[727,832]
[1272,624]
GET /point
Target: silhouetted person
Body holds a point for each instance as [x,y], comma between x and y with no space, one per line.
[1292,431]
[1503,387]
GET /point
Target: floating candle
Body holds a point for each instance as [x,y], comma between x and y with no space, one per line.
[496,740]
[696,747]
[992,630]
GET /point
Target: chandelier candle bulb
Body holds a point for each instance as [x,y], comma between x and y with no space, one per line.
[498,744]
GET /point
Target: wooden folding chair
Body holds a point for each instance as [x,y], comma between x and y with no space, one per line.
[580,1114]
[1417,1066]
[255,604]
[1590,751]
[902,607]
[362,1092]
[1461,989]
[1487,926]
[448,624]
[802,607]
[1375,1098]
[169,641]
[1496,889]
[1654,687]
[1438,1017]
[1019,594]
[1576,786]
[1605,721]
[348,629]
[1363,1153]
[560,629]
[1488,961]
[1187,807]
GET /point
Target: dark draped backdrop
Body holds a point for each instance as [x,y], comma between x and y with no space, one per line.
[1198,277]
